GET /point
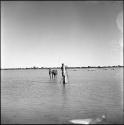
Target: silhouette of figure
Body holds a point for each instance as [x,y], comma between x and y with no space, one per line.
[50,72]
[54,73]
[64,74]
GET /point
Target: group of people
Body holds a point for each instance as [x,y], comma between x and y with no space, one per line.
[52,73]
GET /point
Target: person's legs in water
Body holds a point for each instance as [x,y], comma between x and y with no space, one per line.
[50,75]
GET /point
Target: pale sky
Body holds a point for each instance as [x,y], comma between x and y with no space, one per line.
[77,33]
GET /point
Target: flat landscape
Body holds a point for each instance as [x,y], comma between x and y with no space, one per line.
[30,96]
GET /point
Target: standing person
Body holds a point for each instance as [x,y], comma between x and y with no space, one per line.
[64,74]
[50,72]
[62,69]
[54,73]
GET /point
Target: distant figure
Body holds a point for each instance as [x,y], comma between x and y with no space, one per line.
[50,72]
[54,73]
[64,74]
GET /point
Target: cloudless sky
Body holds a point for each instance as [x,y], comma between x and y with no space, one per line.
[48,33]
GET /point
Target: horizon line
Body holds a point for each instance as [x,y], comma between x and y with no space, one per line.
[36,67]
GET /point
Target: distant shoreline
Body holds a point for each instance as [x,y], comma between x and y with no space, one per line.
[60,67]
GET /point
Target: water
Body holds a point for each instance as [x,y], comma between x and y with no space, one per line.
[29,96]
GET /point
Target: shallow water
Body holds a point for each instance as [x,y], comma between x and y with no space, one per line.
[29,96]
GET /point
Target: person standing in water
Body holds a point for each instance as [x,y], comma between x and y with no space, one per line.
[50,72]
[54,73]
[64,74]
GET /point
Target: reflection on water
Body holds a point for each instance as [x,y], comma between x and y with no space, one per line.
[30,96]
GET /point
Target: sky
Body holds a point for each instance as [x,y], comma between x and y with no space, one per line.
[49,33]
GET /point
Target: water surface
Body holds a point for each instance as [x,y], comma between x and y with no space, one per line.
[30,96]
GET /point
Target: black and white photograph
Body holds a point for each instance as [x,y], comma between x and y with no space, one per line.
[62,62]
